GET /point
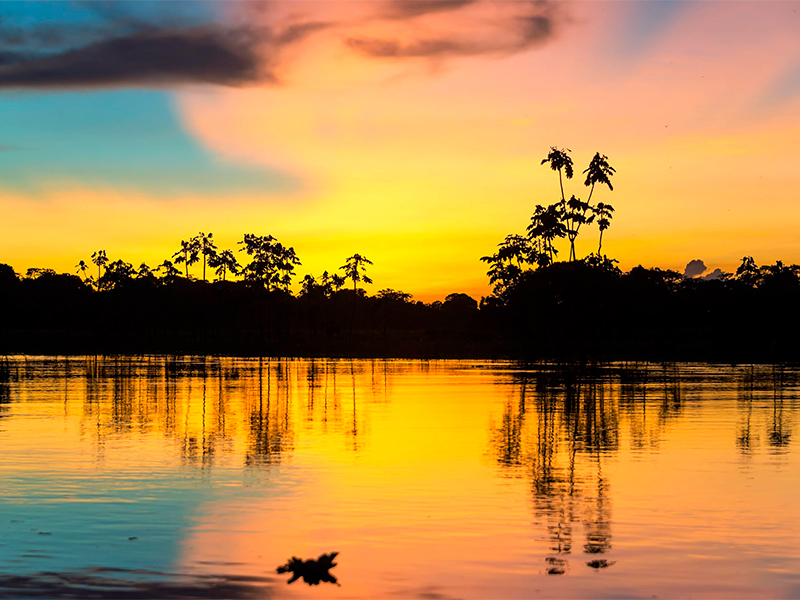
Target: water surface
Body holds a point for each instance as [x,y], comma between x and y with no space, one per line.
[184,477]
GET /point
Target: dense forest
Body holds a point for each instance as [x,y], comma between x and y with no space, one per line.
[540,307]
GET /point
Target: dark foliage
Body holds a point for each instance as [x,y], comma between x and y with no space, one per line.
[134,313]
[590,309]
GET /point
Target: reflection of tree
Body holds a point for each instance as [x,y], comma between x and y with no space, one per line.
[778,436]
[760,395]
[5,386]
[744,439]
[270,432]
[559,433]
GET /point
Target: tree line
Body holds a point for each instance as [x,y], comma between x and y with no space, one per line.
[540,307]
[588,308]
[270,264]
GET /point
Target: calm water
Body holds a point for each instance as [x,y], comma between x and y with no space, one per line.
[198,477]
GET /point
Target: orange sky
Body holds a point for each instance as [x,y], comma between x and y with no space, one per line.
[424,163]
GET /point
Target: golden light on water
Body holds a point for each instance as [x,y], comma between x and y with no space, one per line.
[463,478]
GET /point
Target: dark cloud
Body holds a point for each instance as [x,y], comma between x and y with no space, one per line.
[407,9]
[694,268]
[513,33]
[205,55]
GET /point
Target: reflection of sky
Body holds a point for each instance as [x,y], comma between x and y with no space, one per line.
[401,465]
[91,527]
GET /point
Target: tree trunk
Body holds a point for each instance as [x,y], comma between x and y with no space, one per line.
[353,317]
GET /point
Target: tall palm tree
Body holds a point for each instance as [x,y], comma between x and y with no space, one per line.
[355,269]
[599,171]
[560,161]
[205,245]
[188,254]
[100,259]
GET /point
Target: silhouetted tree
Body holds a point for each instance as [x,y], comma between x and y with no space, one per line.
[547,225]
[82,268]
[144,272]
[189,254]
[572,213]
[356,270]
[560,161]
[748,272]
[117,273]
[36,272]
[285,260]
[573,216]
[168,270]
[598,171]
[337,281]
[603,212]
[225,262]
[100,259]
[205,245]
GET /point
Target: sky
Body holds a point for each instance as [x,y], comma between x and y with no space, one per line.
[408,131]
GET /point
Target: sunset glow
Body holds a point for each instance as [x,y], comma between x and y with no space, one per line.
[411,133]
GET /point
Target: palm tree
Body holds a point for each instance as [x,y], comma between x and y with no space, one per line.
[599,171]
[355,269]
[101,260]
[205,245]
[188,254]
[284,260]
[225,262]
[560,161]
[82,268]
[604,214]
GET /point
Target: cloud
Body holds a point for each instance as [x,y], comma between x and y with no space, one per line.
[246,43]
[694,268]
[714,275]
[148,59]
[405,9]
[504,29]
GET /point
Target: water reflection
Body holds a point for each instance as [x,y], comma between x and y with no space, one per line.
[211,467]
[563,423]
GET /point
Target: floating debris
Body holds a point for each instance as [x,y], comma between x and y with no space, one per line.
[312,571]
